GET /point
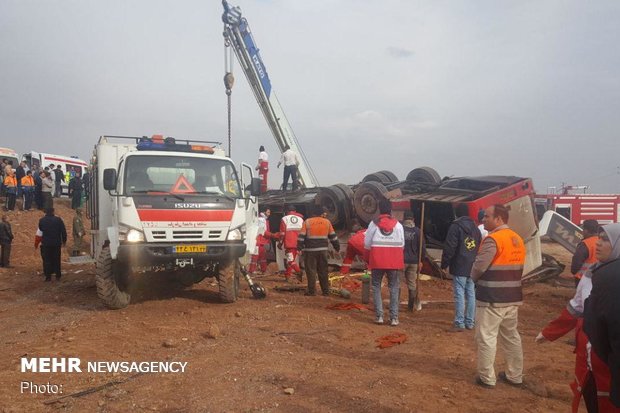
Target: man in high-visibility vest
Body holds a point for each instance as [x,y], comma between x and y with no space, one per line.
[28,190]
[10,184]
[497,273]
[584,256]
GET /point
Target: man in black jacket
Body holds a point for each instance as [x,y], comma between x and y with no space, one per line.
[54,237]
[59,177]
[459,254]
[412,258]
[6,238]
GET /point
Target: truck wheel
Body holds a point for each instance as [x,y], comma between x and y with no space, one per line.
[228,281]
[107,287]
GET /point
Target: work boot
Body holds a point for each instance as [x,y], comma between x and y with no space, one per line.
[411,301]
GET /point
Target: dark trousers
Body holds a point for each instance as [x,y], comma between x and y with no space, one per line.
[57,189]
[76,199]
[48,202]
[28,195]
[316,264]
[38,198]
[51,260]
[6,255]
[10,201]
[290,171]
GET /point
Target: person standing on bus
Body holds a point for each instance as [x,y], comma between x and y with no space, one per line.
[263,168]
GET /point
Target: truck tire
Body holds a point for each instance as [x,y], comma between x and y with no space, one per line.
[228,281]
[366,200]
[107,286]
[424,174]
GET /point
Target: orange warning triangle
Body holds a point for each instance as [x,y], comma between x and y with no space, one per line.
[182,186]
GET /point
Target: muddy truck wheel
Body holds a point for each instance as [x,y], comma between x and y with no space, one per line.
[107,285]
[228,281]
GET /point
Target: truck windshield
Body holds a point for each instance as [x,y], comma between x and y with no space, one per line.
[180,175]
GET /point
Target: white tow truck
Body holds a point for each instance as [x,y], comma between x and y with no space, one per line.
[178,208]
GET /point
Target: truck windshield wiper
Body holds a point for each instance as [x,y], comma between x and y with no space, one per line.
[230,198]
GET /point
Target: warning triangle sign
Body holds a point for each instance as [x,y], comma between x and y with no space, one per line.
[182,186]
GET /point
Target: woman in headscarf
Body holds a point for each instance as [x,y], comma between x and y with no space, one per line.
[572,318]
[602,320]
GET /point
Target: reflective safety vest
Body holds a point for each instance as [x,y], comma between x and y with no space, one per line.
[27,181]
[590,243]
[10,182]
[501,282]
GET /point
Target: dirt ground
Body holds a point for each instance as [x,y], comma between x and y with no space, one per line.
[288,353]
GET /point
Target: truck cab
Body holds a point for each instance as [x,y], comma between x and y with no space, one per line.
[180,209]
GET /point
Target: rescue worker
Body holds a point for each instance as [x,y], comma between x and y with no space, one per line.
[263,239]
[383,247]
[28,188]
[459,253]
[497,274]
[290,225]
[75,191]
[47,187]
[6,239]
[584,256]
[53,238]
[602,324]
[312,240]
[412,255]
[290,160]
[263,168]
[355,248]
[78,232]
[571,318]
[10,185]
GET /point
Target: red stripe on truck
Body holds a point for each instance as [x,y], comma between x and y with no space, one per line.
[185,215]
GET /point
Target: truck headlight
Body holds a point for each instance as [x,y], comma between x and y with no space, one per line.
[236,234]
[130,234]
[135,236]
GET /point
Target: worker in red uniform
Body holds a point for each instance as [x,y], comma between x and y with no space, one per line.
[289,231]
[263,168]
[263,239]
[355,248]
[591,373]
[584,256]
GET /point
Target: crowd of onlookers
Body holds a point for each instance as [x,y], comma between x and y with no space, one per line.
[38,186]
[35,189]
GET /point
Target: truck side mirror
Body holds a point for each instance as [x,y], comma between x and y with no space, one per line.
[109,179]
[255,187]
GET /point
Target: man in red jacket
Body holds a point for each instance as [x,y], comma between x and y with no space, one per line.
[355,248]
[383,243]
[289,229]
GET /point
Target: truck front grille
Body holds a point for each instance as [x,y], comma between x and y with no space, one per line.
[186,234]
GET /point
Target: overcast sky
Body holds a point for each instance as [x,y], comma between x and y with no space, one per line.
[526,88]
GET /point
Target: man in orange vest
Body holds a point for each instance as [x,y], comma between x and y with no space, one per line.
[28,190]
[584,256]
[10,183]
[497,273]
[313,239]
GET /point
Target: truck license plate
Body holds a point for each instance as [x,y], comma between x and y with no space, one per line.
[189,248]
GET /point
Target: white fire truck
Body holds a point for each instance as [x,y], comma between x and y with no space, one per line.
[179,208]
